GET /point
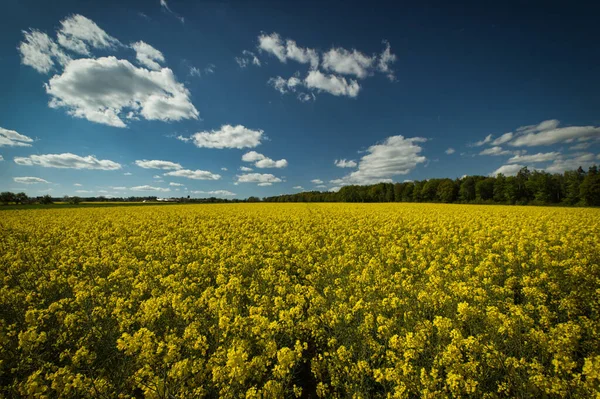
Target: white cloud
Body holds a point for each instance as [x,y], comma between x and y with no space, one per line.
[262,162]
[156,177]
[385,59]
[580,146]
[11,138]
[148,55]
[78,185]
[195,71]
[505,138]
[548,133]
[495,151]
[40,52]
[165,6]
[535,158]
[487,139]
[157,164]
[252,156]
[149,188]
[228,137]
[334,189]
[273,44]
[395,156]
[118,188]
[245,169]
[336,85]
[194,174]
[219,193]
[347,62]
[224,169]
[265,184]
[29,180]
[83,191]
[316,181]
[100,90]
[67,161]
[305,97]
[127,174]
[298,188]
[247,58]
[176,184]
[1,158]
[321,186]
[262,179]
[450,151]
[78,34]
[584,160]
[545,133]
[343,163]
[285,85]
[507,170]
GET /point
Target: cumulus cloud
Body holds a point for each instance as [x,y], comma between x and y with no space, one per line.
[67,161]
[321,186]
[584,160]
[247,58]
[83,191]
[545,133]
[358,64]
[127,174]
[395,156]
[334,189]
[29,180]
[262,162]
[79,34]
[274,45]
[1,158]
[343,163]
[148,55]
[100,90]
[347,62]
[263,179]
[40,52]
[285,85]
[508,170]
[548,133]
[224,169]
[176,185]
[157,164]
[332,84]
[316,181]
[306,97]
[495,151]
[11,138]
[194,174]
[298,188]
[228,137]
[450,151]
[149,188]
[535,158]
[245,169]
[218,193]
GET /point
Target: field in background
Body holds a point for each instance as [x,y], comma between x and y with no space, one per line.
[283,300]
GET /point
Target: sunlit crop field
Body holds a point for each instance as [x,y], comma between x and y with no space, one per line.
[311,300]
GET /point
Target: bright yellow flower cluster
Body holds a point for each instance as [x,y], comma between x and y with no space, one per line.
[291,300]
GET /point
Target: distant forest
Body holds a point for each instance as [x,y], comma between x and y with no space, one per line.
[572,188]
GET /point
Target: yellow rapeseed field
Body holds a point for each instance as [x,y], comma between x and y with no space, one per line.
[311,300]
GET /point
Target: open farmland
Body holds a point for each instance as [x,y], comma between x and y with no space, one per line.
[284,300]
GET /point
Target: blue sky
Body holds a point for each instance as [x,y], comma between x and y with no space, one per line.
[174,98]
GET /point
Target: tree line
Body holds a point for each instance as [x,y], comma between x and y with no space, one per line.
[572,188]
